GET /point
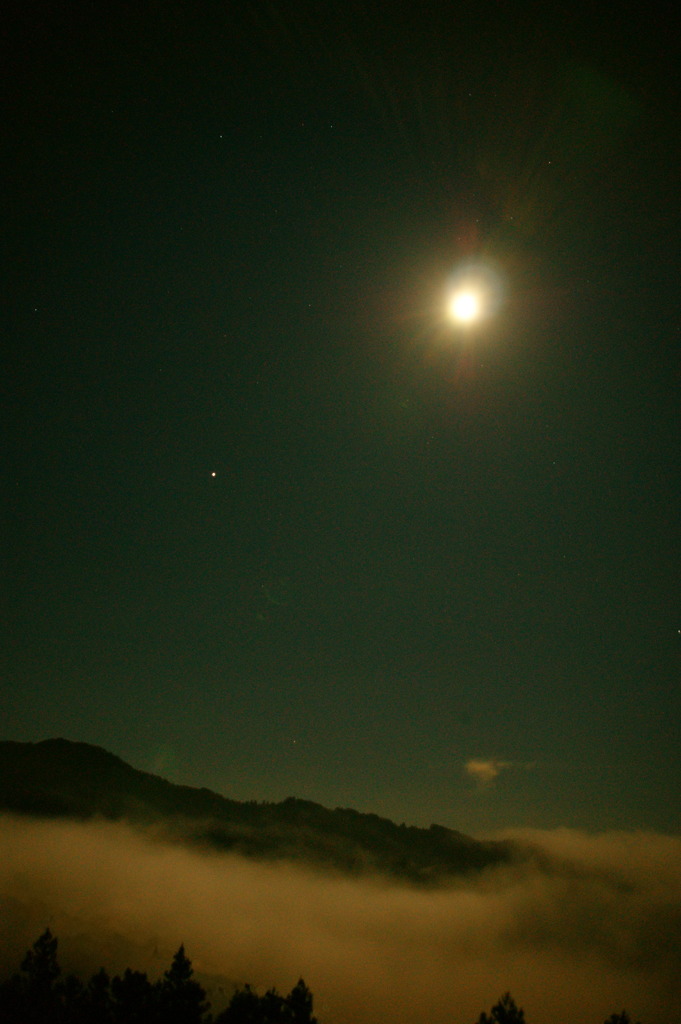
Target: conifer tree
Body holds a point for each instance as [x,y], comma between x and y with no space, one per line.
[40,996]
[504,1012]
[182,999]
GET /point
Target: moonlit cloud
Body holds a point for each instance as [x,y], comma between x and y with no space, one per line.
[486,771]
[587,926]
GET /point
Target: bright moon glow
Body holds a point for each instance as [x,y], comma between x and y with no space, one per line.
[474,295]
[465,306]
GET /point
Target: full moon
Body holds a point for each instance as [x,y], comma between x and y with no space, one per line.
[465,306]
[474,294]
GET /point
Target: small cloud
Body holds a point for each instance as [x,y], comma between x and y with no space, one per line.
[486,771]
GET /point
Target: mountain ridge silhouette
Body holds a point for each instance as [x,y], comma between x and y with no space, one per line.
[59,778]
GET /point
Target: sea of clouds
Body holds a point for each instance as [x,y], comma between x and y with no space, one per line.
[588,926]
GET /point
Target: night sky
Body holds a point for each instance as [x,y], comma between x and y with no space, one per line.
[273,524]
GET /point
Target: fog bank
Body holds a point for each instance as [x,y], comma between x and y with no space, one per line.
[587,928]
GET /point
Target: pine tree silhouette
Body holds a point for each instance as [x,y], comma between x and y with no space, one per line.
[182,999]
[42,1002]
[504,1012]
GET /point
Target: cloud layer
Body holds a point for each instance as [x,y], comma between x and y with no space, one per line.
[592,924]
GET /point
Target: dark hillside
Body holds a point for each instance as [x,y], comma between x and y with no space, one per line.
[58,778]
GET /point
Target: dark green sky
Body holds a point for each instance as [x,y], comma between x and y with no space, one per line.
[229,235]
